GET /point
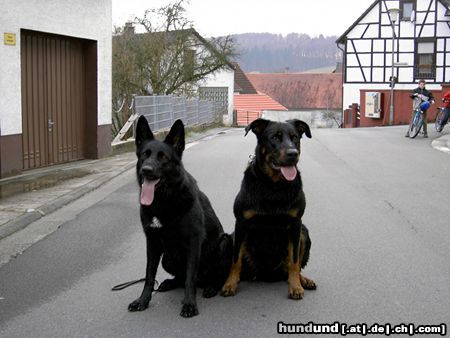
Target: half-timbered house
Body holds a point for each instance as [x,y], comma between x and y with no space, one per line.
[385,57]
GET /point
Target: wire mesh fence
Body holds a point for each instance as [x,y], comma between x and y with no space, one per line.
[162,111]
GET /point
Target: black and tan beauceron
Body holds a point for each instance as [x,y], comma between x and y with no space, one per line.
[270,241]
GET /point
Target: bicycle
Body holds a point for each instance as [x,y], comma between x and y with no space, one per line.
[417,121]
[439,118]
[443,113]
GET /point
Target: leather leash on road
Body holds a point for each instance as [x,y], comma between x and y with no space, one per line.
[127,284]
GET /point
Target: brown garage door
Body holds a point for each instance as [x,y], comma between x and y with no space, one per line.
[53,99]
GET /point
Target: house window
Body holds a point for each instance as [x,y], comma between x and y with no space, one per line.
[407,9]
[425,65]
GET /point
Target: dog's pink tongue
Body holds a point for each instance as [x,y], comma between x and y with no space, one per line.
[148,192]
[289,173]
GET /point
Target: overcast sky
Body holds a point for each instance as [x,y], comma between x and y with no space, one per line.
[218,18]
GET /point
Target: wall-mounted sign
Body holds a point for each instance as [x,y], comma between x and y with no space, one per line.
[10,39]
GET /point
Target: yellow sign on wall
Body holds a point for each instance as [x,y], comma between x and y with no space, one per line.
[10,39]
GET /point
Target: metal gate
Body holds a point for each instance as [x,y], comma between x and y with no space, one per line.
[215,94]
[53,99]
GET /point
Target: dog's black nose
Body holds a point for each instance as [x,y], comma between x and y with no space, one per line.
[291,154]
[147,170]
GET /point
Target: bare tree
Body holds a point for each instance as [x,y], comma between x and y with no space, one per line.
[331,117]
[169,57]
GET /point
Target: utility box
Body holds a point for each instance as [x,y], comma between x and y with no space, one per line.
[373,105]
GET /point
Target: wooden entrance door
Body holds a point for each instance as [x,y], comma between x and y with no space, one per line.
[53,99]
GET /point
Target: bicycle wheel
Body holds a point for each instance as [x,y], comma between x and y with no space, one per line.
[439,117]
[416,124]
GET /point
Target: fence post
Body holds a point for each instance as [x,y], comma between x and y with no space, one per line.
[133,111]
[172,105]
[154,112]
[197,116]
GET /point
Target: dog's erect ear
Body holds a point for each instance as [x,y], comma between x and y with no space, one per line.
[175,138]
[257,126]
[301,126]
[143,132]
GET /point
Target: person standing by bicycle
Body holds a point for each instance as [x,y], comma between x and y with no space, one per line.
[415,95]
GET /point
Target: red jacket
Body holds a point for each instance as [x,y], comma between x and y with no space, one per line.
[446,99]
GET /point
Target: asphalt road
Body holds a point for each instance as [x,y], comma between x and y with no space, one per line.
[377,210]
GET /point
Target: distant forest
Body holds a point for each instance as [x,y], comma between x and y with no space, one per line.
[273,53]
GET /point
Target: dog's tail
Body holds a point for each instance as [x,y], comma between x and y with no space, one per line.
[307,243]
[224,252]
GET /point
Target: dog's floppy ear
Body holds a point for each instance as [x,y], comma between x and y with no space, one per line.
[301,126]
[257,126]
[175,138]
[143,132]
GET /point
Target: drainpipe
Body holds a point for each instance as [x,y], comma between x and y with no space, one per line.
[393,16]
[342,94]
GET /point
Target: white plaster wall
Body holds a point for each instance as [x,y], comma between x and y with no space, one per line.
[314,117]
[363,45]
[406,45]
[351,93]
[447,72]
[378,45]
[406,29]
[372,16]
[85,19]
[223,78]
[405,73]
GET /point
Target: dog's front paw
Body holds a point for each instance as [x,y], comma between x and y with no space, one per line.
[189,310]
[138,305]
[228,290]
[296,292]
[210,292]
[307,283]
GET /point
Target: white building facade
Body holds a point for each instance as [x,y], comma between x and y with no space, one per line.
[219,86]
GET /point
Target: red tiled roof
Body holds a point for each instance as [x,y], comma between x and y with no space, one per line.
[301,90]
[256,102]
[250,106]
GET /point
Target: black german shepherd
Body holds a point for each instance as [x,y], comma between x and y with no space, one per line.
[271,243]
[179,222]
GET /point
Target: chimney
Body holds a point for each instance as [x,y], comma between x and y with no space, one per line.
[129,28]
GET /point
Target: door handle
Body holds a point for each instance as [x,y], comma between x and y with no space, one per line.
[50,125]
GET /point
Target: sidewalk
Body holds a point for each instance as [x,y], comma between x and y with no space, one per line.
[442,143]
[28,197]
